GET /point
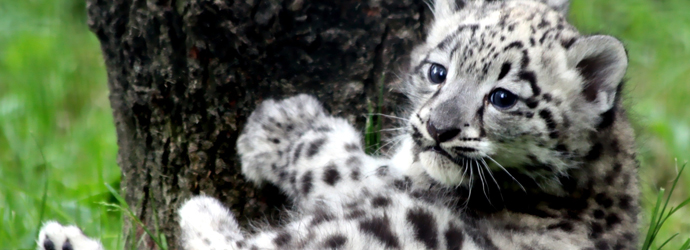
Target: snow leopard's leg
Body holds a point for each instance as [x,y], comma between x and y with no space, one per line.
[313,157]
[54,236]
[206,224]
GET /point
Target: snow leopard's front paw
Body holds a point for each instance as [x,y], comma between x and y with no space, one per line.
[207,224]
[272,132]
[54,236]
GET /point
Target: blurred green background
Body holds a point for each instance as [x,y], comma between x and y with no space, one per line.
[57,138]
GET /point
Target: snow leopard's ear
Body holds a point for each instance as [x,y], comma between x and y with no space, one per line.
[601,61]
[446,8]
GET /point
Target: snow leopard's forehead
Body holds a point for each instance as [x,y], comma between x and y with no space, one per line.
[480,33]
[475,40]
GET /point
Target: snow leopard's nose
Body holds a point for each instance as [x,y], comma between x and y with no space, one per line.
[441,134]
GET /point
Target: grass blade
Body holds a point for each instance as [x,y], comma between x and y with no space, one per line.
[666,242]
[653,222]
[660,215]
[125,208]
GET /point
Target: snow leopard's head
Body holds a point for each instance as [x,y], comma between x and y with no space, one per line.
[509,84]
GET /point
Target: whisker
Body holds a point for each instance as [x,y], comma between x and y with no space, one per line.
[471,182]
[505,170]
[392,141]
[389,116]
[481,179]
[430,5]
[464,165]
[393,129]
[492,177]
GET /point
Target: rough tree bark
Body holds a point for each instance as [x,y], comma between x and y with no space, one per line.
[184,75]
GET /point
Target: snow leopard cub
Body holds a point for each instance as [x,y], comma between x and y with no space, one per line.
[517,140]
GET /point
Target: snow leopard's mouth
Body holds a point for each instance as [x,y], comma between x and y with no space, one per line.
[458,159]
[446,166]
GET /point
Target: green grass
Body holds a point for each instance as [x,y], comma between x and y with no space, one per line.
[57,138]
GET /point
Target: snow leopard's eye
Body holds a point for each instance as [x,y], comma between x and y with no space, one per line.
[502,98]
[437,73]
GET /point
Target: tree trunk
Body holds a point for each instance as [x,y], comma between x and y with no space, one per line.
[184,76]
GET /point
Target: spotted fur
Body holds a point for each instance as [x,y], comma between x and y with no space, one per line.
[555,170]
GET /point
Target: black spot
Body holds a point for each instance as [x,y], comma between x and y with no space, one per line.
[293,178]
[554,134]
[323,129]
[282,239]
[543,37]
[616,149]
[48,244]
[382,171]
[603,200]
[568,184]
[607,118]
[380,201]
[275,140]
[282,175]
[594,153]
[532,79]
[567,43]
[424,226]
[306,182]
[67,245]
[454,238]
[355,214]
[531,102]
[547,97]
[603,245]
[315,146]
[380,229]
[619,246]
[596,230]
[543,23]
[355,175]
[403,184]
[561,148]
[352,147]
[525,60]
[625,202]
[353,162]
[563,225]
[297,153]
[548,119]
[459,4]
[321,216]
[335,241]
[240,244]
[630,237]
[611,177]
[416,134]
[598,214]
[331,175]
[612,220]
[516,45]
